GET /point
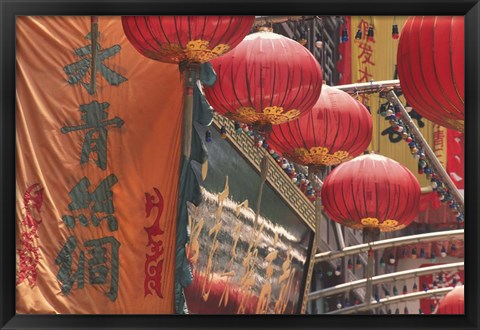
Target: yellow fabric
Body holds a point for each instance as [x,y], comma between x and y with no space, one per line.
[376,61]
[143,154]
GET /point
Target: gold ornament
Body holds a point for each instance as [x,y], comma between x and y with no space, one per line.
[270,115]
[318,156]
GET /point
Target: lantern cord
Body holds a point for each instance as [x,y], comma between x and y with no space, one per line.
[439,169]
[94,43]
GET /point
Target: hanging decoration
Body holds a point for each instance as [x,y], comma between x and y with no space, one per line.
[430,62]
[192,39]
[392,113]
[375,192]
[191,42]
[337,129]
[267,79]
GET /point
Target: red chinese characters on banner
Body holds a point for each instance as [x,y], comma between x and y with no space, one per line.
[154,261]
[437,280]
[28,251]
[365,58]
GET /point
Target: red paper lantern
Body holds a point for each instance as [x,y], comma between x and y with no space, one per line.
[453,302]
[371,191]
[337,129]
[430,62]
[176,39]
[267,79]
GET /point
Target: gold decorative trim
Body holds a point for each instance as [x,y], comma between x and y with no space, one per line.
[270,115]
[197,51]
[318,156]
[276,177]
[388,225]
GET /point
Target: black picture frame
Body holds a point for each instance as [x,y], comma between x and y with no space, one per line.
[9,9]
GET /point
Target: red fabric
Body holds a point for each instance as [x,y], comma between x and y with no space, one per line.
[344,65]
[151,35]
[265,70]
[371,186]
[453,302]
[337,121]
[430,61]
[456,157]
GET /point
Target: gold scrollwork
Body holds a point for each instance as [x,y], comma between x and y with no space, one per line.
[198,51]
[386,226]
[318,156]
[270,115]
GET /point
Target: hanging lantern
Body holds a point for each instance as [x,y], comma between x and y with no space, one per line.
[370,34]
[267,79]
[395,34]
[358,35]
[337,129]
[371,192]
[344,35]
[453,302]
[430,61]
[176,39]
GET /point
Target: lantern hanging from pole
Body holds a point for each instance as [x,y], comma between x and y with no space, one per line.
[453,302]
[267,79]
[371,192]
[337,129]
[192,39]
[430,63]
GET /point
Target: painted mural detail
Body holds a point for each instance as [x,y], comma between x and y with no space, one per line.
[240,268]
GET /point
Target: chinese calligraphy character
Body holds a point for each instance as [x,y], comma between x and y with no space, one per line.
[366,54]
[154,261]
[101,270]
[102,198]
[393,136]
[95,118]
[77,71]
[28,251]
[365,76]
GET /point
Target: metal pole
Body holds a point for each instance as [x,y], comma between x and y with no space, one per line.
[393,300]
[402,275]
[439,170]
[378,245]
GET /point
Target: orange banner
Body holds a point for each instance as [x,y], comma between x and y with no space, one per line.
[97,170]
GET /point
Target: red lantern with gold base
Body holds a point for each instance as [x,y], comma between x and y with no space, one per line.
[267,79]
[430,62]
[194,39]
[337,129]
[371,192]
